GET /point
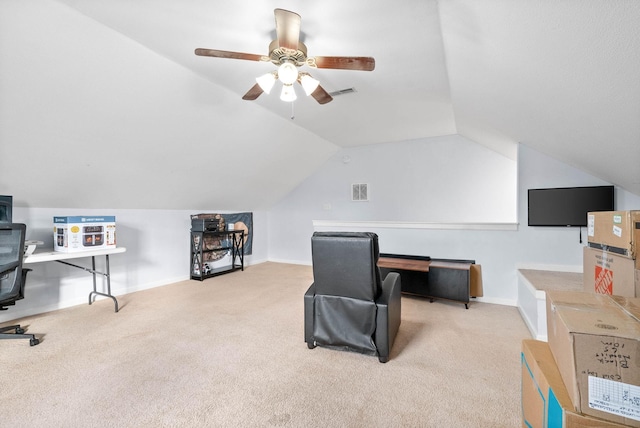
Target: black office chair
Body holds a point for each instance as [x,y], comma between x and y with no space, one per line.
[12,275]
[348,306]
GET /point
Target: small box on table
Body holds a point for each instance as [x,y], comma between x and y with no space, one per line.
[82,233]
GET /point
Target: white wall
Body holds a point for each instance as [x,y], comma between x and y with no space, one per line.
[500,252]
[157,243]
[408,182]
[551,245]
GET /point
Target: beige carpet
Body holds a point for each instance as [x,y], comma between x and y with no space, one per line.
[230,352]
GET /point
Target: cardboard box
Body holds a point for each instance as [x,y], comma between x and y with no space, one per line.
[595,341]
[82,233]
[608,273]
[617,231]
[545,400]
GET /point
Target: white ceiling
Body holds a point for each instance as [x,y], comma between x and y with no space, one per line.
[407,96]
[561,77]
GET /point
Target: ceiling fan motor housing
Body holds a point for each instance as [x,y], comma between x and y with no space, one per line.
[278,55]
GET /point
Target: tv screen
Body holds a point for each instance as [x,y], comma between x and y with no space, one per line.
[567,206]
[6,208]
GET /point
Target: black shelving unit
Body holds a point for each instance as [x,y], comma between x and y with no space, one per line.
[210,247]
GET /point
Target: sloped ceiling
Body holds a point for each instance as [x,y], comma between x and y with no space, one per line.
[106,101]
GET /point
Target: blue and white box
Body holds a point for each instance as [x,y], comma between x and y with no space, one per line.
[82,233]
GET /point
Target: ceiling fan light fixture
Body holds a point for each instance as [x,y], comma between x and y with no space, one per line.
[266,82]
[288,94]
[309,84]
[288,53]
[287,73]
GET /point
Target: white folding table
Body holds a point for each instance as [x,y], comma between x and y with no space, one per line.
[60,257]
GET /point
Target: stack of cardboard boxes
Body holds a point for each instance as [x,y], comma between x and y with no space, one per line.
[588,373]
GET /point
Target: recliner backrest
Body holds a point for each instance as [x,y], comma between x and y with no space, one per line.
[346,264]
[11,255]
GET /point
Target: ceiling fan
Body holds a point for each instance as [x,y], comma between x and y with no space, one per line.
[289,53]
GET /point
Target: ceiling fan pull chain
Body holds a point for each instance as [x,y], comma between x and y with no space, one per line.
[293,116]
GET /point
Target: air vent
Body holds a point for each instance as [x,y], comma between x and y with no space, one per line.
[359,192]
[342,92]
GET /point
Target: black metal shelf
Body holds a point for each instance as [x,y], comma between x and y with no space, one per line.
[206,246]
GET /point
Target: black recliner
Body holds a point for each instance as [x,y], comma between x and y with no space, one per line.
[348,306]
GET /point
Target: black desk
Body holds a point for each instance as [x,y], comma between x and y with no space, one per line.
[449,279]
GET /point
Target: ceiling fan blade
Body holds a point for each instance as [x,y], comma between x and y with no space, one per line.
[321,96]
[364,63]
[253,93]
[287,29]
[228,54]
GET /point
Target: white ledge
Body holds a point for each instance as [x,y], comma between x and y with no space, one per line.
[414,225]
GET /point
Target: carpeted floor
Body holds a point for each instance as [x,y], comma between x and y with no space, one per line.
[230,352]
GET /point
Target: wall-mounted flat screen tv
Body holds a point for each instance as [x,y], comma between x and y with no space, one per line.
[568,206]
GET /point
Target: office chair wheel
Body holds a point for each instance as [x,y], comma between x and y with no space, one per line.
[19,330]
[33,342]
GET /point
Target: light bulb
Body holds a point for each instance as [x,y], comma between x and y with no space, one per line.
[287,73]
[266,82]
[309,84]
[288,93]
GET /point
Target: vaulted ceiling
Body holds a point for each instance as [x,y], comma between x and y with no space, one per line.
[109,94]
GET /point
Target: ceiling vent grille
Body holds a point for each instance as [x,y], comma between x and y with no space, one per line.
[359,192]
[342,92]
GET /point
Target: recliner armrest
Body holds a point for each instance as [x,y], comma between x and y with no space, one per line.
[308,314]
[388,318]
[390,288]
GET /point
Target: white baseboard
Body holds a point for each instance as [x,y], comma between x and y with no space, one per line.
[495,301]
[291,262]
[16,313]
